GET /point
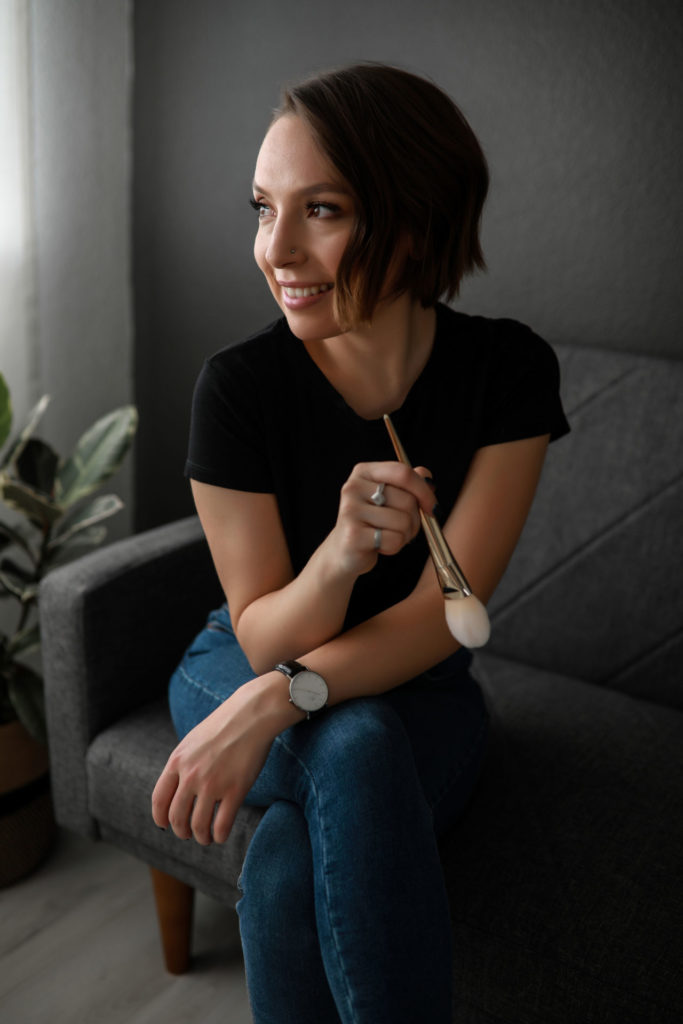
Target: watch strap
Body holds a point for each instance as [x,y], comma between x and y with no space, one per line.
[291,669]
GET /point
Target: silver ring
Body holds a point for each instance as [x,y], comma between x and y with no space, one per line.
[292,251]
[378,497]
[378,540]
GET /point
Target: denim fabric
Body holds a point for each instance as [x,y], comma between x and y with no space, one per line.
[344,915]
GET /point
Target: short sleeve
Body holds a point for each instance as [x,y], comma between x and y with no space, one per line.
[227,447]
[523,391]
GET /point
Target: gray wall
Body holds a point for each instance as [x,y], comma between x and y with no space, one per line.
[81,316]
[577,104]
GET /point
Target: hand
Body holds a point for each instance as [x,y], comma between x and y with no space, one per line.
[217,763]
[406,491]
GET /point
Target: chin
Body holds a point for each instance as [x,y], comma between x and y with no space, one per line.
[311,328]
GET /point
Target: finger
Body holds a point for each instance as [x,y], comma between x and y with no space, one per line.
[163,794]
[403,522]
[429,502]
[224,820]
[180,812]
[202,814]
[396,474]
[426,476]
[390,542]
[393,496]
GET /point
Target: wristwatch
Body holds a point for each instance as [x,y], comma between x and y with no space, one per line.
[307,690]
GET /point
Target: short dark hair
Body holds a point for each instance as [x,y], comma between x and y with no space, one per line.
[417,171]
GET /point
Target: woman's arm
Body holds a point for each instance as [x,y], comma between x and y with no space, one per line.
[275,615]
[215,765]
[482,531]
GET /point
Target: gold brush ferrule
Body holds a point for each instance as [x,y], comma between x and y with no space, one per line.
[451,577]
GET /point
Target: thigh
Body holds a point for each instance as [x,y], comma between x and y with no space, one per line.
[212,668]
[442,712]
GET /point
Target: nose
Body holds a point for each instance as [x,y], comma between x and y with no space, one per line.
[284,244]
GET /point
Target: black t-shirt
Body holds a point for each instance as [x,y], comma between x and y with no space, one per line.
[266,419]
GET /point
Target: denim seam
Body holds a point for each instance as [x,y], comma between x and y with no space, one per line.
[200,685]
[349,997]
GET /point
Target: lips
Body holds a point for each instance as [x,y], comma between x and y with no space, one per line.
[304,291]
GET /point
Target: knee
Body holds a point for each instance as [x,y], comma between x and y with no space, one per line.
[360,745]
[366,734]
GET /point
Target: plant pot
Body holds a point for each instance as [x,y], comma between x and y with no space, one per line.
[27,823]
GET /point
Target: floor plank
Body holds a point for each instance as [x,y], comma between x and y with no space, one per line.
[79,945]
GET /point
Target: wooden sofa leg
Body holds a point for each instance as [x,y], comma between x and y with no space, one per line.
[175,902]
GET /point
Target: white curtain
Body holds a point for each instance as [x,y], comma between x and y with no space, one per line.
[17,348]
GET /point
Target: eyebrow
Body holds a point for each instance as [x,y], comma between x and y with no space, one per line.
[321,186]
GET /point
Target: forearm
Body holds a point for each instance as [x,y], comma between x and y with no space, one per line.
[277,615]
[386,650]
[383,652]
[304,614]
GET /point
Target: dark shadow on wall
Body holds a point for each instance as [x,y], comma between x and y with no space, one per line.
[577,106]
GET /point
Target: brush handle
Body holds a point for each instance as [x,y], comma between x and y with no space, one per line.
[451,576]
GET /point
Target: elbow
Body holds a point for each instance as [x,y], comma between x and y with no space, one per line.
[252,646]
[249,650]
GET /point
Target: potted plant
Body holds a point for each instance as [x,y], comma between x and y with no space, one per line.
[48,515]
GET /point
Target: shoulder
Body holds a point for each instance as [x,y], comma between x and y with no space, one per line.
[512,375]
[256,351]
[239,371]
[495,354]
[494,343]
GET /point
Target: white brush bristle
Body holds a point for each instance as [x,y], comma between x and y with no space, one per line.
[468,621]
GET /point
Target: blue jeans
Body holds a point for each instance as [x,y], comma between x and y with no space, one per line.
[344,915]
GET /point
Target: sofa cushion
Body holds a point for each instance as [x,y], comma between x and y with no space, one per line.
[565,874]
[590,590]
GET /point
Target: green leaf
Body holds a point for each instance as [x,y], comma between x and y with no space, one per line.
[13,535]
[83,518]
[25,690]
[37,466]
[25,592]
[98,455]
[25,642]
[5,411]
[17,571]
[36,506]
[35,416]
[92,537]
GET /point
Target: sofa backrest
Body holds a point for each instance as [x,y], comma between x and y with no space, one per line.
[595,587]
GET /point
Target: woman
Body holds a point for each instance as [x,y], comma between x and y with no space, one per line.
[368,189]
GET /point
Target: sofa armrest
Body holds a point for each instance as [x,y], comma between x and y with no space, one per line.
[114,624]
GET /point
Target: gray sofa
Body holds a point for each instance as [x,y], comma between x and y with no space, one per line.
[565,873]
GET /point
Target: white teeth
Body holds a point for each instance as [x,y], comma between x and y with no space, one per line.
[304,293]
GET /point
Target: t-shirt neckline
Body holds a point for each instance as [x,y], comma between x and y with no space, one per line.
[340,402]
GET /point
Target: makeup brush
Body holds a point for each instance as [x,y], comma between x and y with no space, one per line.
[466,616]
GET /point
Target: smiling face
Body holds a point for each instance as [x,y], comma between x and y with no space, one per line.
[303,205]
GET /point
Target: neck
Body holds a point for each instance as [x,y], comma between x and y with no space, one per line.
[375,366]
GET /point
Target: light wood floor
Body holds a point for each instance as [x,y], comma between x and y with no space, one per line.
[79,945]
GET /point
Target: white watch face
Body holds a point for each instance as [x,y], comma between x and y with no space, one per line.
[308,691]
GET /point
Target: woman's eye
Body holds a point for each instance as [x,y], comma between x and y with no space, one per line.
[262,209]
[322,210]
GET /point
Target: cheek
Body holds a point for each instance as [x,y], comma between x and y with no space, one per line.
[259,253]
